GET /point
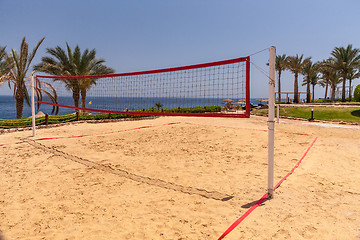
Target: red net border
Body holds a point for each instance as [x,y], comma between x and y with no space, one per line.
[203,65]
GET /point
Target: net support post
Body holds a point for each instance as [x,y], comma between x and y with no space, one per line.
[33,104]
[271,121]
[247,111]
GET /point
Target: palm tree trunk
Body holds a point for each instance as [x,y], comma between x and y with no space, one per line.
[308,91]
[279,88]
[83,98]
[76,97]
[313,92]
[350,90]
[19,98]
[326,90]
[343,98]
[296,89]
[333,87]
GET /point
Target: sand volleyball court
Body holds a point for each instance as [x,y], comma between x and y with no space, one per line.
[178,178]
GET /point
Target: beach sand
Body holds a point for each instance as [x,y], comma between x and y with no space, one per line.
[179,178]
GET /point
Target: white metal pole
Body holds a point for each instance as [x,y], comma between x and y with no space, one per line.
[271,121]
[33,104]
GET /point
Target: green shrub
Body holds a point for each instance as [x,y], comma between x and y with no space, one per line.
[357,93]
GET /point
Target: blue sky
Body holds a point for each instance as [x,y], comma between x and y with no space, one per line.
[135,35]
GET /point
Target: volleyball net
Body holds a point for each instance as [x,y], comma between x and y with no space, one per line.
[216,89]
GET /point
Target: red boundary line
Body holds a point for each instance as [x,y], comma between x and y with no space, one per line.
[202,65]
[124,130]
[238,221]
[223,115]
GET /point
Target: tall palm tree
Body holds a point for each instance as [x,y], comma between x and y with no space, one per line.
[74,63]
[295,64]
[19,71]
[18,74]
[280,65]
[353,74]
[345,60]
[310,72]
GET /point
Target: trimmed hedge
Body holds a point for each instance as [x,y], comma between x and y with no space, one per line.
[26,122]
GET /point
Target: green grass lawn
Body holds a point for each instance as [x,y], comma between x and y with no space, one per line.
[346,114]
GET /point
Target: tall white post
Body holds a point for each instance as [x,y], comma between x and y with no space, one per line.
[271,121]
[33,104]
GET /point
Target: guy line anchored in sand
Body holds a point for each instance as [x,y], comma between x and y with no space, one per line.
[138,178]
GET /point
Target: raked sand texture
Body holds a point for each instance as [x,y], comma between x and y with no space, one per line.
[178,178]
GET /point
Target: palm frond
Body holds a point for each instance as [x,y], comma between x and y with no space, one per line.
[15,58]
[50,91]
[32,55]
[24,49]
[6,63]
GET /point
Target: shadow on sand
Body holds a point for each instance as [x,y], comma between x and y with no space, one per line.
[250,204]
[2,236]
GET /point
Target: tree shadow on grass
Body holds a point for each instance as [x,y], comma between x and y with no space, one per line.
[356,113]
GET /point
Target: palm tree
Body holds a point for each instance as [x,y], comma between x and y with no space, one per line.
[314,81]
[295,64]
[334,81]
[325,69]
[280,65]
[310,72]
[17,75]
[74,63]
[158,105]
[353,74]
[345,60]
